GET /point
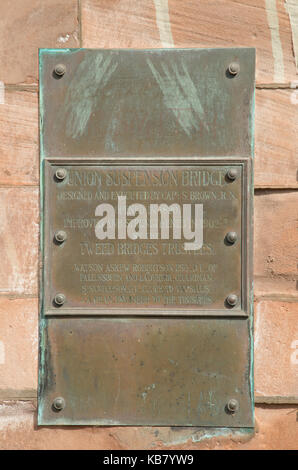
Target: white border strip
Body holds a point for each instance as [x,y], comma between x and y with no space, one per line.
[163,23]
[272,18]
[292,9]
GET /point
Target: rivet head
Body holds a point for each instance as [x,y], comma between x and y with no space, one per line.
[60,236]
[59,403]
[231,237]
[232,300]
[232,174]
[61,174]
[234,68]
[60,70]
[232,405]
[59,299]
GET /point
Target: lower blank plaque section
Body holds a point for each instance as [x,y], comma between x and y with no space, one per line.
[146,371]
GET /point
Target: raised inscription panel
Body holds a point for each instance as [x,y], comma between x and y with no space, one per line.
[134,237]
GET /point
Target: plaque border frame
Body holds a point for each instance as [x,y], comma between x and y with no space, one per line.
[246,238]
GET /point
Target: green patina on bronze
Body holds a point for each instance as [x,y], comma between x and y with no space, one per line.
[145,103]
[168,108]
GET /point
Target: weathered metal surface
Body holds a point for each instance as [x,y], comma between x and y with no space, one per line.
[175,102]
[147,371]
[127,276]
[161,362]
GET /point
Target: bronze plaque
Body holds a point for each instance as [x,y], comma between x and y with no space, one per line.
[160,102]
[146,299]
[146,371]
[143,238]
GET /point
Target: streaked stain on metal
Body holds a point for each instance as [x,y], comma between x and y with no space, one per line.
[83,95]
[180,95]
